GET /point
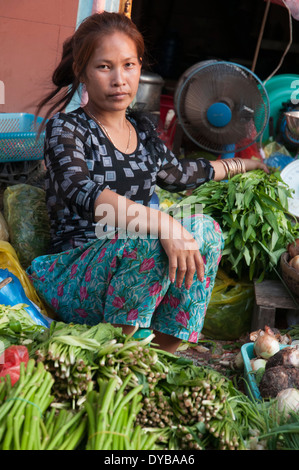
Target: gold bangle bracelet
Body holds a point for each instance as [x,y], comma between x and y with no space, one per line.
[238,163]
[242,165]
[233,166]
[225,166]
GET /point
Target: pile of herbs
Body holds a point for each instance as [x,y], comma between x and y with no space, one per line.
[137,397]
[252,210]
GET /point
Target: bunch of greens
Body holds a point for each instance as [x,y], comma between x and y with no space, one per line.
[112,415]
[27,419]
[252,210]
[199,408]
[17,326]
[23,405]
[285,435]
[69,351]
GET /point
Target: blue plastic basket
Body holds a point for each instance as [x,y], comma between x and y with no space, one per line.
[252,390]
[18,137]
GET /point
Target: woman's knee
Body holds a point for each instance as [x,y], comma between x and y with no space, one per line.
[206,231]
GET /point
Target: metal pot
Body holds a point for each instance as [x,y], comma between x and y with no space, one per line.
[149,91]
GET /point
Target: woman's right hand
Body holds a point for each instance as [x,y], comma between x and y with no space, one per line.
[183,253]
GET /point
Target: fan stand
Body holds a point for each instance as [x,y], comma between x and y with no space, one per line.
[181,141]
[178,139]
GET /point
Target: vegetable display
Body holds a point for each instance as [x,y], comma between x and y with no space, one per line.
[80,387]
[252,210]
[276,367]
[133,396]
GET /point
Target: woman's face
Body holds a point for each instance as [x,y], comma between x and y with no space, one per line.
[112,74]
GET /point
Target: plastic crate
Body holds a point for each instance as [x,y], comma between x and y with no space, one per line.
[252,389]
[18,137]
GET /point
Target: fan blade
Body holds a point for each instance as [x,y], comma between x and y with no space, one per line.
[222,83]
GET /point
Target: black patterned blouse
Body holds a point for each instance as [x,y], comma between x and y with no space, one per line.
[81,162]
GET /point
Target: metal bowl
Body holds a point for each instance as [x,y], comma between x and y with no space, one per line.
[292,119]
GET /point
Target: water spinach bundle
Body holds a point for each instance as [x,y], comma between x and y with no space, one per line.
[252,210]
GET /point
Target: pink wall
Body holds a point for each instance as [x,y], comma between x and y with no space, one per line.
[31,37]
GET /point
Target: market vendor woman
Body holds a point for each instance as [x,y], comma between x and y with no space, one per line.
[103,162]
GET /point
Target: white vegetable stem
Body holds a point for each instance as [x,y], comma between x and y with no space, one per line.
[257,364]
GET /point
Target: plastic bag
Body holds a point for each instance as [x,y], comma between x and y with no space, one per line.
[293,6]
[274,147]
[10,361]
[9,260]
[28,222]
[229,312]
[4,234]
[13,293]
[279,160]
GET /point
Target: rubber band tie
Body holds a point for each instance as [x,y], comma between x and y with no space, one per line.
[114,433]
[27,401]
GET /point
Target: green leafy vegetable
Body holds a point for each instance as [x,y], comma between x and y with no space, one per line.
[17,326]
[252,210]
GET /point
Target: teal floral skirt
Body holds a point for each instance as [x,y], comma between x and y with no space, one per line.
[125,281]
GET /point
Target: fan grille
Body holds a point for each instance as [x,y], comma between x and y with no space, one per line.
[228,83]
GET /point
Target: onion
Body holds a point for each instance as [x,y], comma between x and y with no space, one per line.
[257,364]
[294,262]
[288,400]
[293,248]
[266,345]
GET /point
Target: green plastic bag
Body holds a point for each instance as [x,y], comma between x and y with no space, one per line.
[25,212]
[229,312]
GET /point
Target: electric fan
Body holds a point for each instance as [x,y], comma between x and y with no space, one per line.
[221,106]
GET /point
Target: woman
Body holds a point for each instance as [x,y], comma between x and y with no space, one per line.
[114,258]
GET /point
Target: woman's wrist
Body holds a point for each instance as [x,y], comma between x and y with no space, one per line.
[233,166]
[228,167]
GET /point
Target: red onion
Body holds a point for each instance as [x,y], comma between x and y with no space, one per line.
[294,262]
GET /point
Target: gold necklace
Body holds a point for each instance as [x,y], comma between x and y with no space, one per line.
[107,133]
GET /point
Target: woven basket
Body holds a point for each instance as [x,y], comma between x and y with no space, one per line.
[289,274]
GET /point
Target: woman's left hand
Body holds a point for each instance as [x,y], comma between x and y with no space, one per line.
[252,164]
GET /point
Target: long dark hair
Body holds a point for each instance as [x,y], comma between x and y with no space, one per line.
[77,51]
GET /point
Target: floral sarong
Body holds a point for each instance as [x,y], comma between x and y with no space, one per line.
[125,281]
